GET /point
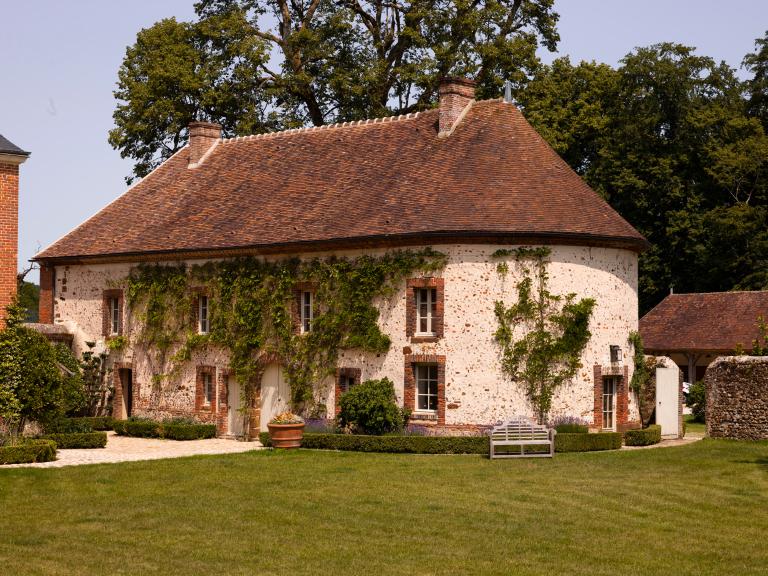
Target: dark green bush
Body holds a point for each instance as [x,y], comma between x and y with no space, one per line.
[393,444]
[644,437]
[578,442]
[27,451]
[99,423]
[371,408]
[572,429]
[188,431]
[79,439]
[81,424]
[172,430]
[697,401]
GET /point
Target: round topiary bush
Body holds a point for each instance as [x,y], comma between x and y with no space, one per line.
[371,408]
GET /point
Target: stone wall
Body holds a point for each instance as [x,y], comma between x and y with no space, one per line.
[474,392]
[737,397]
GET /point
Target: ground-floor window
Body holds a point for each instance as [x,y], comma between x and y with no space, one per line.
[609,403]
[425,376]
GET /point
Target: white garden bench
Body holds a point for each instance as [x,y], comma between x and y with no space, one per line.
[522,432]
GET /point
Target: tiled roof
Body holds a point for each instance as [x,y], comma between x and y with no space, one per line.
[8,147]
[716,321]
[381,180]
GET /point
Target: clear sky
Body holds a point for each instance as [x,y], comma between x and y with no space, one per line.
[60,62]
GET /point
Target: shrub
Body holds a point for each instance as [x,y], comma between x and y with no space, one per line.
[644,437]
[27,451]
[178,429]
[188,431]
[577,442]
[81,424]
[572,428]
[697,401]
[79,439]
[371,408]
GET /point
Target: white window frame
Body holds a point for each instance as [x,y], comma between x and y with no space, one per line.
[203,318]
[430,307]
[307,311]
[421,373]
[114,315]
[209,391]
[609,403]
[347,382]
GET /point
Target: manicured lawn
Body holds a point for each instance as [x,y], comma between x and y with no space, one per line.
[692,427]
[697,509]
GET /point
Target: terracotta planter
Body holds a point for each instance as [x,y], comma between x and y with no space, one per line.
[286,435]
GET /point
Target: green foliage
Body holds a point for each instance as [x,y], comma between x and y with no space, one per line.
[78,439]
[643,437]
[117,343]
[572,429]
[27,451]
[543,334]
[329,62]
[97,383]
[393,444]
[171,430]
[371,408]
[696,400]
[29,300]
[760,344]
[250,312]
[587,442]
[79,424]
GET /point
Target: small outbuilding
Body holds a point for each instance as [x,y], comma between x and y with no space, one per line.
[694,329]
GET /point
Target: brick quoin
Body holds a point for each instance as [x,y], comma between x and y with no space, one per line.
[47,281]
[9,233]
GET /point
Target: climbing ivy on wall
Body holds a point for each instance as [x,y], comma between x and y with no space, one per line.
[542,335]
[250,302]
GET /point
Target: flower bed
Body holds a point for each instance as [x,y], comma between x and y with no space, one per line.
[78,439]
[27,451]
[169,430]
[644,437]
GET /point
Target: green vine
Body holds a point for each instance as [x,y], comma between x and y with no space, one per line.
[250,301]
[543,335]
[117,343]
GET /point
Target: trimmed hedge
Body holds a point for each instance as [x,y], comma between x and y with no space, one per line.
[79,439]
[578,442]
[644,437]
[37,450]
[566,442]
[78,425]
[98,423]
[572,428]
[168,430]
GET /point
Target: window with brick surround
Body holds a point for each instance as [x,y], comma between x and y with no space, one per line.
[306,311]
[203,325]
[346,379]
[207,388]
[425,376]
[205,392]
[112,313]
[425,309]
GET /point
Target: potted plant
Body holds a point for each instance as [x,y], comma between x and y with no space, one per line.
[286,430]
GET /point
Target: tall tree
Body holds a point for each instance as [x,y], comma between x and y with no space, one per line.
[257,65]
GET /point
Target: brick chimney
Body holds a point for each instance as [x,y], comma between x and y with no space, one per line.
[202,137]
[11,157]
[456,94]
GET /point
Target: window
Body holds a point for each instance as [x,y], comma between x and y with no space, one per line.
[426,387]
[426,310]
[207,388]
[307,311]
[346,382]
[113,306]
[609,403]
[202,315]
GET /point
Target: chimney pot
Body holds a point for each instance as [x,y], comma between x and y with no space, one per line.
[455,95]
[202,137]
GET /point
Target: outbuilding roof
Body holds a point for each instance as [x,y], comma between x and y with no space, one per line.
[8,147]
[389,180]
[709,322]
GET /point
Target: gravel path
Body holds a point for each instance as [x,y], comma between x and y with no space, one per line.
[689,439]
[127,449]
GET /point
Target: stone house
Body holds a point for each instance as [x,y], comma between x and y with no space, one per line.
[694,329]
[467,179]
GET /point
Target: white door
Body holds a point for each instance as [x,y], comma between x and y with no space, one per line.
[235,415]
[668,400]
[275,394]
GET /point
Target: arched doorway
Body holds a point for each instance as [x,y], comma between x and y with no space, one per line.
[275,394]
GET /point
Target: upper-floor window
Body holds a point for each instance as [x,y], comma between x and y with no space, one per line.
[203,324]
[426,310]
[114,315]
[307,310]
